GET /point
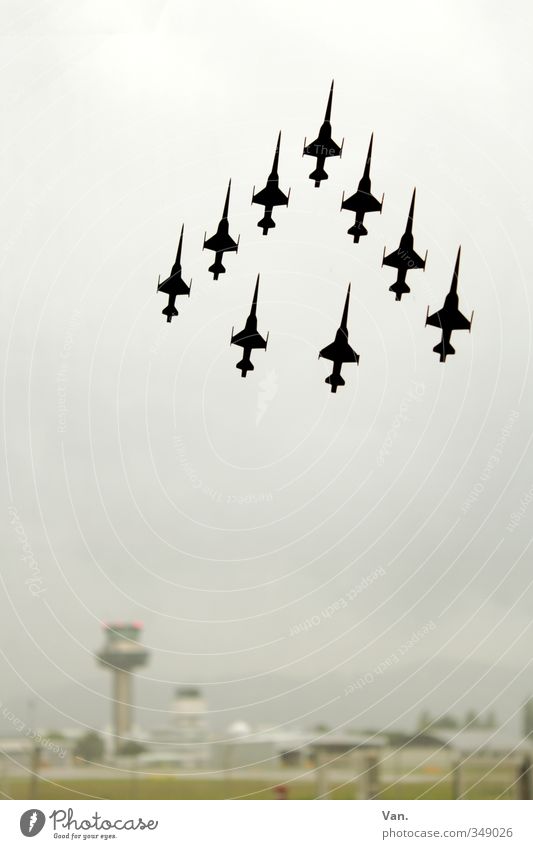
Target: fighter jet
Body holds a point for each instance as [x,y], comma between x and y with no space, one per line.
[362,201]
[221,242]
[174,285]
[249,338]
[323,146]
[271,195]
[339,351]
[405,257]
[449,318]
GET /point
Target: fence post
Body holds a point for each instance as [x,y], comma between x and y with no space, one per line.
[523,784]
[321,774]
[457,783]
[370,776]
[35,769]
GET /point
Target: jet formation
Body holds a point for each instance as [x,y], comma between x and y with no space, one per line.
[403,259]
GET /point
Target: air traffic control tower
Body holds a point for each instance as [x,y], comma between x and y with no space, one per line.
[122,653]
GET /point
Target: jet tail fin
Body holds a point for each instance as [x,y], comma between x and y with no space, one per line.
[245,366]
[217,268]
[444,348]
[357,231]
[335,380]
[317,175]
[399,288]
[170,312]
[266,223]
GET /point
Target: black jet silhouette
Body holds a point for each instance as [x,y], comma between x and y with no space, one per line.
[339,351]
[174,285]
[221,242]
[323,146]
[449,318]
[362,201]
[271,195]
[405,257]
[249,338]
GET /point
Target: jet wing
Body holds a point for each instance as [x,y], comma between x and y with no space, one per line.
[449,320]
[339,353]
[460,322]
[373,204]
[393,259]
[418,261]
[174,286]
[397,259]
[313,149]
[333,148]
[263,198]
[249,340]
[220,243]
[438,319]
[362,202]
[322,148]
[329,352]
[270,196]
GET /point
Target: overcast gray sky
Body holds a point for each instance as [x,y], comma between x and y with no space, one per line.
[145,480]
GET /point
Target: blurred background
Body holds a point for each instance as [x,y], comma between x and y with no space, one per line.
[216,587]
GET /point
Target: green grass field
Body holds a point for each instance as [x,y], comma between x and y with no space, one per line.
[164,787]
[168,787]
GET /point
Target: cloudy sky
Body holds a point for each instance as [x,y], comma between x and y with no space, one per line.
[145,480]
